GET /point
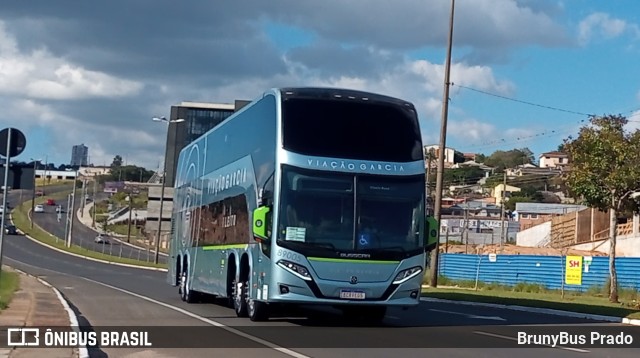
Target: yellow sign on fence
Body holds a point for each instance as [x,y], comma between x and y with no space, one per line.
[573,271]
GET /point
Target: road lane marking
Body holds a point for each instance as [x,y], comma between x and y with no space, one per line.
[494,335]
[265,343]
[494,318]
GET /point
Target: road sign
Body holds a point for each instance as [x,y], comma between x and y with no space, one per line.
[18,142]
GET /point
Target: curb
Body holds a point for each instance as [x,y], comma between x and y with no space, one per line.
[548,311]
[83,352]
[86,257]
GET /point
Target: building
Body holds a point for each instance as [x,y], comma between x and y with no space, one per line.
[55,175]
[531,214]
[553,160]
[153,213]
[93,171]
[79,156]
[199,118]
[498,189]
[478,223]
[449,153]
[20,176]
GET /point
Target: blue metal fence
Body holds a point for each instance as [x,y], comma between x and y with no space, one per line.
[544,270]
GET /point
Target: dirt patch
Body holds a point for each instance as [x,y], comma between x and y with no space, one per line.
[516,250]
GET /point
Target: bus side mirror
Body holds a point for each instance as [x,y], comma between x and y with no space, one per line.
[260,224]
[431,227]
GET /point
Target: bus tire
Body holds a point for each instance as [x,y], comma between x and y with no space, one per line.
[186,293]
[182,282]
[240,292]
[258,311]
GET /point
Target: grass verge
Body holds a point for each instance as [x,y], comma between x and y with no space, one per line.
[21,221]
[531,295]
[9,284]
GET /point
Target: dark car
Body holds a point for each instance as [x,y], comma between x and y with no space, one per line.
[10,230]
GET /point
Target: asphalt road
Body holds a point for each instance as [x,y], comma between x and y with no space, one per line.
[106,294]
[84,236]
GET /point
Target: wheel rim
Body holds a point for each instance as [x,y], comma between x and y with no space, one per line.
[237,295]
[183,284]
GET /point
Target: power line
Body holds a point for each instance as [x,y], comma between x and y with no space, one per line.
[525,102]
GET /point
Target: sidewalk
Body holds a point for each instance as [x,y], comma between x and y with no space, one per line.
[34,304]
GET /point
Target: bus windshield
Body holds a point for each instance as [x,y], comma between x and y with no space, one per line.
[329,214]
[351,130]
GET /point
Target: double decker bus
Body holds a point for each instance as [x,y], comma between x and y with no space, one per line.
[304,196]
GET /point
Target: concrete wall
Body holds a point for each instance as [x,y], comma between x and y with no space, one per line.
[153,209]
[626,246]
[535,235]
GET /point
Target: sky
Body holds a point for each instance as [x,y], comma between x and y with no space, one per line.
[524,73]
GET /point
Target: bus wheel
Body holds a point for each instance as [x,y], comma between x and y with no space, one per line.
[258,311]
[186,294]
[182,285]
[240,298]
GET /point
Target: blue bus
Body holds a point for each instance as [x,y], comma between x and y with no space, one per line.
[304,196]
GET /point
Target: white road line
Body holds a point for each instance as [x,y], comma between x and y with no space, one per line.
[515,339]
[83,352]
[266,343]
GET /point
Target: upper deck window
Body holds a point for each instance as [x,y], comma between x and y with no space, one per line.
[351,129]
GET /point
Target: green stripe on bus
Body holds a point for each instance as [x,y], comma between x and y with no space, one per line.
[326,259]
[224,247]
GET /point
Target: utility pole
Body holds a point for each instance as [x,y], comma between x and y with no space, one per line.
[33,198]
[429,158]
[466,229]
[66,217]
[5,190]
[93,218]
[84,196]
[130,200]
[504,192]
[433,280]
[72,210]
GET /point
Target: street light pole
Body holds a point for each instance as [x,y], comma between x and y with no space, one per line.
[93,217]
[164,175]
[72,209]
[33,197]
[130,200]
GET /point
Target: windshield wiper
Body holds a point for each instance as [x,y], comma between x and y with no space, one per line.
[327,245]
[322,244]
[388,248]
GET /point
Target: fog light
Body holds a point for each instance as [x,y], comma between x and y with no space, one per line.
[284,289]
[414,294]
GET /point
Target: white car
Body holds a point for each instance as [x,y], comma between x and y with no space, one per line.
[39,209]
[102,239]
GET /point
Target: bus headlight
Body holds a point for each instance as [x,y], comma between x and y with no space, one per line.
[407,274]
[295,269]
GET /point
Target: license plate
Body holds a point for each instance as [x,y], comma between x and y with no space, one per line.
[352,295]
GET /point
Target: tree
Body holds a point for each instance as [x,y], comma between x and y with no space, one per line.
[605,170]
[509,159]
[117,161]
[458,157]
[462,176]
